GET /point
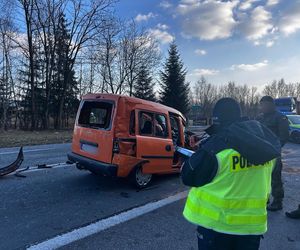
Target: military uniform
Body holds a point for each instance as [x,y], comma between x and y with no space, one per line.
[278,124]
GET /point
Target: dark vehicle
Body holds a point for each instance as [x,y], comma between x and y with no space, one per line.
[294,127]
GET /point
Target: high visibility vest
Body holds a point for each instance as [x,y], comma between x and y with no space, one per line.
[235,201]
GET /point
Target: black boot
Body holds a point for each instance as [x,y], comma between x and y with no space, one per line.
[275,205]
[294,214]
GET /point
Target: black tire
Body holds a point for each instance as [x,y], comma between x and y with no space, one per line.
[295,136]
[138,179]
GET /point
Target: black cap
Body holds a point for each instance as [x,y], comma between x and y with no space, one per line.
[267,98]
[227,110]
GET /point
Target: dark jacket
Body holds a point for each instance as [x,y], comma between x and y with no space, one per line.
[277,123]
[251,139]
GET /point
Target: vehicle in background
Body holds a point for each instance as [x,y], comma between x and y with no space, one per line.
[123,136]
[287,105]
[294,127]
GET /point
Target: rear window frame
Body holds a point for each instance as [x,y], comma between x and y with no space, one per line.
[96,100]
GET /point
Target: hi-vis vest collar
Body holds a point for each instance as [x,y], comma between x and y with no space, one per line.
[235,201]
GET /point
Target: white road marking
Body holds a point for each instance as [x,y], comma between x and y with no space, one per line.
[26,151]
[101,225]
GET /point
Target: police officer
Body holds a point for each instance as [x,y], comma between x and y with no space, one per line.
[230,176]
[278,123]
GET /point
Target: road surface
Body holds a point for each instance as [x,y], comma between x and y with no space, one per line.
[71,209]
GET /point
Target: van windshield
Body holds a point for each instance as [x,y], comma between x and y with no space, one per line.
[95,114]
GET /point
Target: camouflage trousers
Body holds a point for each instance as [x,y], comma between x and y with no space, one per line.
[277,185]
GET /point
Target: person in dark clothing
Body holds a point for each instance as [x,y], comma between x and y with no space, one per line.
[279,125]
[231,171]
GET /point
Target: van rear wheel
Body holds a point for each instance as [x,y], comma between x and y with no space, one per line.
[139,179]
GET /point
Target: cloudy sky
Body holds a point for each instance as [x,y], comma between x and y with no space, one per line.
[246,41]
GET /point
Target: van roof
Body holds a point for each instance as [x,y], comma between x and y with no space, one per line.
[133,100]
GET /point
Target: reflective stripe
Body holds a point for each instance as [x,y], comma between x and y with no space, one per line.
[192,209]
[245,219]
[230,204]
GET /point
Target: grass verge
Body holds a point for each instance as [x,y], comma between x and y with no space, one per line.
[14,138]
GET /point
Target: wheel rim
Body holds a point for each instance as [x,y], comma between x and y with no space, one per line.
[141,178]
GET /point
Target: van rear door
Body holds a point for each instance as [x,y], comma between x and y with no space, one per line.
[93,133]
[154,143]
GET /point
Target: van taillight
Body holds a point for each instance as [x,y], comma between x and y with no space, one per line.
[116,146]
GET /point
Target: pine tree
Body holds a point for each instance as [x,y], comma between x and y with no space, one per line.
[175,90]
[65,86]
[144,87]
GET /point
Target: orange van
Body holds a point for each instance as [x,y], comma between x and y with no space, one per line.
[123,136]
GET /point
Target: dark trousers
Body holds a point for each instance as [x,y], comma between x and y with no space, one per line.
[211,240]
[277,186]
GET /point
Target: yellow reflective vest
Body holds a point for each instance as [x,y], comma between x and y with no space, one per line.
[235,201]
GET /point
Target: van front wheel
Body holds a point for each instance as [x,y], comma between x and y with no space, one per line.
[139,179]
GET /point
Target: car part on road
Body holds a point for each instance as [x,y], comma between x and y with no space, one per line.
[14,166]
[43,166]
[18,173]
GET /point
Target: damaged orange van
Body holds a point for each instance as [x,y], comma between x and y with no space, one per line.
[123,136]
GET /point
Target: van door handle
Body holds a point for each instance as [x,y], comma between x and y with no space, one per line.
[168,147]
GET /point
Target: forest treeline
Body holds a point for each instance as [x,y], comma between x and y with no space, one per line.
[54,51]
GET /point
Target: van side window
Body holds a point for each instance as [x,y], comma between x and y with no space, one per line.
[160,123]
[175,129]
[146,123]
[132,123]
[152,124]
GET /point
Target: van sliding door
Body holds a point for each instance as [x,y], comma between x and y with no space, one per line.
[154,143]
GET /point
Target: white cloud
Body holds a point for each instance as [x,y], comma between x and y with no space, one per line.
[204,72]
[287,68]
[141,17]
[290,22]
[200,52]
[165,4]
[162,26]
[258,25]
[250,67]
[207,20]
[269,44]
[247,4]
[272,2]
[161,35]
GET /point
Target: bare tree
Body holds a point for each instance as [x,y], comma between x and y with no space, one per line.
[28,9]
[123,50]
[141,49]
[205,96]
[6,75]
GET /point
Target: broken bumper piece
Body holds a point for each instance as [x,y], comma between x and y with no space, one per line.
[13,166]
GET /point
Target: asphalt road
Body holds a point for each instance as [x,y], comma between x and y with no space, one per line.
[52,202]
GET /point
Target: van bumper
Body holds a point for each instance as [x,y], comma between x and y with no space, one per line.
[97,167]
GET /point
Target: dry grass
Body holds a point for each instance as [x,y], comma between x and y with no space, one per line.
[14,138]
